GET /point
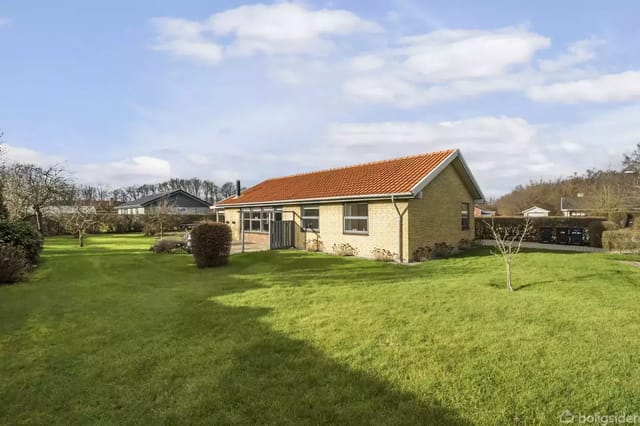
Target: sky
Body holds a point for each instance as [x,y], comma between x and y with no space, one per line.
[132,92]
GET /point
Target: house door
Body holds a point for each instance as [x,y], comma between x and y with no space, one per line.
[282,234]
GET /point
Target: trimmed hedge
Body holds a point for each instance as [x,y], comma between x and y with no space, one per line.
[592,227]
[621,240]
[211,244]
[22,235]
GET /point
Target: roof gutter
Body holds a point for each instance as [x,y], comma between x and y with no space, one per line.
[324,200]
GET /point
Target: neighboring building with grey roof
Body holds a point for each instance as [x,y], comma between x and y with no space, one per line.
[177,202]
[576,206]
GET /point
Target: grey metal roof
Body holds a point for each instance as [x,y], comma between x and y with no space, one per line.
[575,203]
[141,202]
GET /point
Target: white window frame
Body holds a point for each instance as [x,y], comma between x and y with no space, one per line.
[345,218]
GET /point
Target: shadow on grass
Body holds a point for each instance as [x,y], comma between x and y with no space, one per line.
[189,359]
[267,377]
[273,379]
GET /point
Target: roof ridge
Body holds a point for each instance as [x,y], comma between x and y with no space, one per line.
[451,150]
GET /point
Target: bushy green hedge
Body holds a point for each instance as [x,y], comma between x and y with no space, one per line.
[211,244]
[13,263]
[22,235]
[621,240]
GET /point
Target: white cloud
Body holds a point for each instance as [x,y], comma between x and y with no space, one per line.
[184,38]
[136,170]
[16,154]
[462,54]
[285,27]
[366,62]
[606,88]
[4,21]
[389,89]
[444,66]
[577,53]
[281,28]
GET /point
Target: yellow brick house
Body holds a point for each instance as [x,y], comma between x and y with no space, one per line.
[396,205]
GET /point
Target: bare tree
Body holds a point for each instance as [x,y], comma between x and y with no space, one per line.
[79,217]
[29,189]
[161,214]
[508,242]
[228,189]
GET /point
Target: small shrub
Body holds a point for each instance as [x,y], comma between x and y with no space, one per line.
[315,245]
[345,249]
[626,240]
[170,246]
[442,250]
[464,244]
[608,225]
[13,263]
[422,254]
[22,235]
[383,255]
[150,229]
[211,244]
[619,218]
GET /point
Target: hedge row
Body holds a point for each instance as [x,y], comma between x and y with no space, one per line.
[592,227]
[112,223]
[621,240]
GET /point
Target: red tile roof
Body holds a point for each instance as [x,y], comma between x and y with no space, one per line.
[395,176]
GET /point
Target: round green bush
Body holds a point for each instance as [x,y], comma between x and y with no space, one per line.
[211,244]
[22,235]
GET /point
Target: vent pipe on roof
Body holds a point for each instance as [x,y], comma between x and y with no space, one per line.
[238,188]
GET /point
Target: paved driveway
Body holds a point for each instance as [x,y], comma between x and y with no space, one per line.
[236,247]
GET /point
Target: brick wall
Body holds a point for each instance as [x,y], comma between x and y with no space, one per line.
[436,216]
[232,218]
[383,228]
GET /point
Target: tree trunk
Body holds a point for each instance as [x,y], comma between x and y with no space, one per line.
[81,239]
[509,276]
[161,230]
[38,220]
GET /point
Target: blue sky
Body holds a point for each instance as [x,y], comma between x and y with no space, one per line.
[134,92]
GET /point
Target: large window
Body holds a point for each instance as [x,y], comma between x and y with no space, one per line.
[356,218]
[311,217]
[464,216]
[257,219]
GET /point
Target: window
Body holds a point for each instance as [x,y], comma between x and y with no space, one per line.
[311,217]
[356,218]
[257,219]
[464,216]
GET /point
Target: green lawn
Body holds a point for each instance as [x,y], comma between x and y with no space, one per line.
[114,334]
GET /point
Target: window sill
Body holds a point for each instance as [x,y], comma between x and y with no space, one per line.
[355,233]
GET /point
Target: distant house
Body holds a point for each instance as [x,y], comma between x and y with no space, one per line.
[175,202]
[535,211]
[67,210]
[398,205]
[480,212]
[577,206]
